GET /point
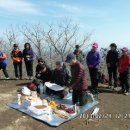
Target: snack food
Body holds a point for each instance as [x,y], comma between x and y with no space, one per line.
[45,102]
[70,110]
[61,107]
[52,104]
[61,114]
[40,106]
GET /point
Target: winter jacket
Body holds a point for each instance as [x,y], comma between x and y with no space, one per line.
[123,63]
[16,56]
[80,57]
[61,77]
[112,57]
[44,76]
[28,52]
[3,59]
[79,79]
[93,58]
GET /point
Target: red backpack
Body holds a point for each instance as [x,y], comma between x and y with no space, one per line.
[32,86]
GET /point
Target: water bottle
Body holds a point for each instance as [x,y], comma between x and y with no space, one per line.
[42,88]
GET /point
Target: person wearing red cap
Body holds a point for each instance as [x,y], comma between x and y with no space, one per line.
[93,61]
[123,66]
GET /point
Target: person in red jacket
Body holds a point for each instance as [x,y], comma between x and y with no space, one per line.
[123,66]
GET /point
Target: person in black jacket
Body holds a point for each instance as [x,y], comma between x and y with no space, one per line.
[61,77]
[28,55]
[111,60]
[43,72]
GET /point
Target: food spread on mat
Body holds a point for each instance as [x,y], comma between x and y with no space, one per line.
[32,102]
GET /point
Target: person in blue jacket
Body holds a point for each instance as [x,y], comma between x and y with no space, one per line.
[93,61]
[28,56]
[3,64]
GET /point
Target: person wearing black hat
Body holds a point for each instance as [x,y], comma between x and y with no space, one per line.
[43,72]
[78,81]
[17,57]
[111,60]
[80,56]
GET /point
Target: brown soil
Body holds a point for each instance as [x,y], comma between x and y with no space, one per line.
[111,103]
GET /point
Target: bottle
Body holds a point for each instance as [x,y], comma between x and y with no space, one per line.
[19,99]
[42,88]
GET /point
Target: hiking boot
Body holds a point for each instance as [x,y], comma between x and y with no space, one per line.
[31,78]
[115,88]
[7,78]
[27,78]
[127,93]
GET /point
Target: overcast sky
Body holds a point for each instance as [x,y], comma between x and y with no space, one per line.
[109,20]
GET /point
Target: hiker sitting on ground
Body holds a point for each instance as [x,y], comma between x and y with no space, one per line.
[61,77]
[43,72]
[3,64]
[16,56]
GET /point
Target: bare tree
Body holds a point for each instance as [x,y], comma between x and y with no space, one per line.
[34,34]
[11,37]
[64,36]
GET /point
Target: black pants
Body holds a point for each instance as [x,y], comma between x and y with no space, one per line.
[112,71]
[29,68]
[79,96]
[18,69]
[4,71]
[94,78]
[124,81]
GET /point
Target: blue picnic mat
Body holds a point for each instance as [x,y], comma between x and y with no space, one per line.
[55,120]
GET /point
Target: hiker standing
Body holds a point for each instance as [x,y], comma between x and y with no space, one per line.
[93,60]
[28,55]
[16,56]
[123,67]
[3,64]
[111,60]
[78,80]
[79,54]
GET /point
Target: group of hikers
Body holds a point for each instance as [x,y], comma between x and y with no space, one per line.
[17,57]
[77,79]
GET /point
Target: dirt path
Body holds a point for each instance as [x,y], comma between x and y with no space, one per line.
[111,104]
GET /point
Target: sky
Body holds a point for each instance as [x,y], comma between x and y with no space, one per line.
[108,20]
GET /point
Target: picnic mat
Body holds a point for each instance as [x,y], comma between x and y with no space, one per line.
[54,120]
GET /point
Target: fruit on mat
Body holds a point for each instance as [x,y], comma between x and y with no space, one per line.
[52,104]
[70,110]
